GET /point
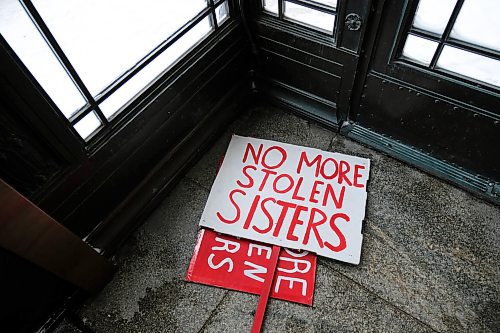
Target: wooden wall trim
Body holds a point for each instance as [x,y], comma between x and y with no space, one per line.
[31,234]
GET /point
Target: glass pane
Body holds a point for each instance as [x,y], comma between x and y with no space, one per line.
[478,23]
[419,49]
[470,64]
[23,37]
[270,6]
[222,13]
[433,15]
[309,16]
[103,39]
[137,83]
[331,3]
[87,125]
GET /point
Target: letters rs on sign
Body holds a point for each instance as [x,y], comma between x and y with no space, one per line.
[239,264]
[291,196]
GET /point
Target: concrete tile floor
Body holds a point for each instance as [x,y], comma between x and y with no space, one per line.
[430,258]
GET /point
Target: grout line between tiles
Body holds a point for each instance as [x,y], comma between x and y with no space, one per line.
[213,313]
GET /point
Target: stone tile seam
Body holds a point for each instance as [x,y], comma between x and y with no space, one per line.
[214,312]
[193,181]
[325,263]
[330,145]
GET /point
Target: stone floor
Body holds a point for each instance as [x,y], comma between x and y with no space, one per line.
[430,258]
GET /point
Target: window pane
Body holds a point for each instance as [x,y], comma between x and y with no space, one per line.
[103,39]
[470,64]
[87,125]
[222,13]
[309,16]
[419,49]
[433,15]
[478,23]
[270,6]
[23,37]
[137,83]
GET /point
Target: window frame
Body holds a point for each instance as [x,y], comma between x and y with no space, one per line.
[90,143]
[443,40]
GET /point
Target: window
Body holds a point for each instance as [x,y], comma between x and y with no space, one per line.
[319,15]
[457,38]
[94,57]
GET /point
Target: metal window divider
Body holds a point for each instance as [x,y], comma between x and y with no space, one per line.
[93,103]
[213,16]
[120,81]
[64,61]
[466,46]
[446,33]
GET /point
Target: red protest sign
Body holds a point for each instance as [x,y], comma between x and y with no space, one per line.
[238,264]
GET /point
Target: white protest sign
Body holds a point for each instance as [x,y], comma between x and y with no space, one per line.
[291,196]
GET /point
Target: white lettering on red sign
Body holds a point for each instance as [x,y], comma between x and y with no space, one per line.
[242,265]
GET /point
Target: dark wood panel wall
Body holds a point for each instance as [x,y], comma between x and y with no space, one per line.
[26,159]
[304,71]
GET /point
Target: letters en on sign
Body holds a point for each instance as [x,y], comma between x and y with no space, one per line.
[238,264]
[291,196]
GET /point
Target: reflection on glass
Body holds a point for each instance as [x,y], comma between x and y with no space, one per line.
[478,23]
[87,125]
[310,17]
[23,37]
[270,6]
[148,74]
[222,13]
[433,15]
[419,49]
[103,39]
[470,64]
